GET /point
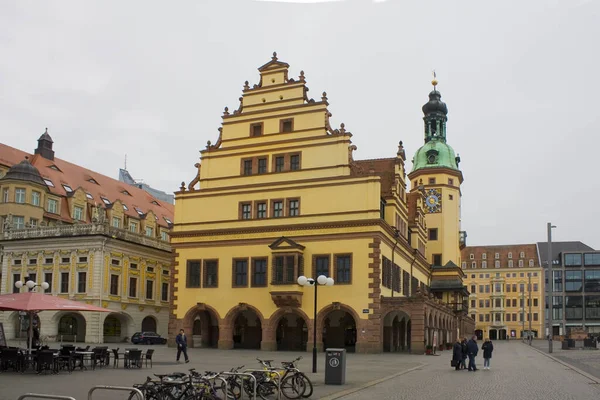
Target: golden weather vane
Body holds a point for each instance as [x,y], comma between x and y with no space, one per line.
[434,82]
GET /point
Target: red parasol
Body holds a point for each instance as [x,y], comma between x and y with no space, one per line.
[32,301]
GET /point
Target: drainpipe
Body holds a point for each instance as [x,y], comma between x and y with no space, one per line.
[100,326]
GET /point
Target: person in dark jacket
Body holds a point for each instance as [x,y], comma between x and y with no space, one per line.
[457,354]
[465,354]
[472,350]
[181,341]
[487,348]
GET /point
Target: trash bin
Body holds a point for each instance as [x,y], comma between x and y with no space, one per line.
[335,367]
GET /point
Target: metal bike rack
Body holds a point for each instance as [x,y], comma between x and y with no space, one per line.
[270,370]
[138,393]
[44,396]
[242,386]
[224,386]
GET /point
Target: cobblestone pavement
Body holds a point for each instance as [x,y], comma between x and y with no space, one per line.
[518,372]
[586,360]
[361,369]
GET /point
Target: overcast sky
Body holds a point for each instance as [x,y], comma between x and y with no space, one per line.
[151,78]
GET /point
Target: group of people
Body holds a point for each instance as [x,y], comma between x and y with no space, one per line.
[469,349]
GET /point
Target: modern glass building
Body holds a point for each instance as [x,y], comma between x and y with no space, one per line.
[575,287]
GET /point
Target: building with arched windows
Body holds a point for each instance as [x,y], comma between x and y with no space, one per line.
[91,238]
[281,195]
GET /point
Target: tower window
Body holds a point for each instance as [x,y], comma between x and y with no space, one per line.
[432,181]
[433,234]
[450,181]
[437,259]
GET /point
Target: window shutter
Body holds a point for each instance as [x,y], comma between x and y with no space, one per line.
[301,267]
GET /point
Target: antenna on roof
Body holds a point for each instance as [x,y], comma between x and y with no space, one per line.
[125,163]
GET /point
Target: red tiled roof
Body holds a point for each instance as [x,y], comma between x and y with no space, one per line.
[529,250]
[76,176]
[385,168]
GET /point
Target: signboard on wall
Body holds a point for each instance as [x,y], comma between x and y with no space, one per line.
[2,337]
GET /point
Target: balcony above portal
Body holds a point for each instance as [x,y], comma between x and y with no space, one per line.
[287,299]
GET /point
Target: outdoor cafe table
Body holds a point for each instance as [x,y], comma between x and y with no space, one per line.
[84,356]
[126,356]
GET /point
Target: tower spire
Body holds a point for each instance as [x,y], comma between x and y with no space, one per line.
[434,82]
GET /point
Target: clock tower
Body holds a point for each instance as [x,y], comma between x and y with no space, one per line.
[436,174]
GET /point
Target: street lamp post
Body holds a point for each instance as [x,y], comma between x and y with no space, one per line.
[550,287]
[321,280]
[31,285]
[529,337]
[523,315]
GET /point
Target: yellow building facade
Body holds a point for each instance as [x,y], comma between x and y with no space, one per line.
[279,195]
[506,285]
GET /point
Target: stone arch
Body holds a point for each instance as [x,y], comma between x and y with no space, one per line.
[201,324]
[149,324]
[287,332]
[118,327]
[395,331]
[71,326]
[246,323]
[341,336]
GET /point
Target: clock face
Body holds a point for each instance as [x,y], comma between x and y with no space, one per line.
[433,201]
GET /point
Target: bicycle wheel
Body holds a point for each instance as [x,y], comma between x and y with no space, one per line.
[234,390]
[309,386]
[266,390]
[293,386]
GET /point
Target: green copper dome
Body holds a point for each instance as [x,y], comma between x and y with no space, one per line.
[435,154]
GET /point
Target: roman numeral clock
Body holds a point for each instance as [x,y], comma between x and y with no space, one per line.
[433,201]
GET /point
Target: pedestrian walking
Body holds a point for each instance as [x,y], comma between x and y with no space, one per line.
[487,348]
[472,349]
[457,355]
[181,341]
[465,354]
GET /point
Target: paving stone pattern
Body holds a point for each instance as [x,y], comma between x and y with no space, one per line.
[517,372]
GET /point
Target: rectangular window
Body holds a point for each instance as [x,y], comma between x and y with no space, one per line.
[277,209]
[437,259]
[295,162]
[573,281]
[343,269]
[322,266]
[149,231]
[279,163]
[293,208]
[510,264]
[557,307]
[487,288]
[35,198]
[19,195]
[535,287]
[19,222]
[261,210]
[256,129]
[247,167]
[149,290]
[133,227]
[77,213]
[507,317]
[480,317]
[573,260]
[481,304]
[558,282]
[484,264]
[592,280]
[473,303]
[33,222]
[450,181]
[114,285]
[193,274]
[211,274]
[433,234]
[487,303]
[164,236]
[5,193]
[240,273]
[432,181]
[164,296]
[573,307]
[285,270]
[52,206]
[16,278]
[64,282]
[132,287]
[116,222]
[487,317]
[246,210]
[535,302]
[591,259]
[48,280]
[473,288]
[520,263]
[287,125]
[592,307]
[262,165]
[259,272]
[81,279]
[507,302]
